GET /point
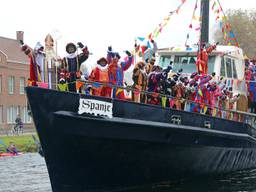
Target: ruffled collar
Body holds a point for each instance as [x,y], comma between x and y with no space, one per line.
[71,56]
[102,68]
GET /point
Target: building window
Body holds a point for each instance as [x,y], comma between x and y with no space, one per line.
[11,85]
[229,67]
[222,68]
[1,80]
[234,69]
[22,85]
[12,113]
[25,116]
[1,114]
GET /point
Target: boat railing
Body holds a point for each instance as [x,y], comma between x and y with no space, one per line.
[204,109]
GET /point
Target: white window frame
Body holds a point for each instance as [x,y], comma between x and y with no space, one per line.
[12,112]
[26,118]
[1,114]
[1,83]
[22,85]
[9,115]
[11,81]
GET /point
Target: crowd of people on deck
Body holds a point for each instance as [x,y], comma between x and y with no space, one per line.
[250,76]
[197,92]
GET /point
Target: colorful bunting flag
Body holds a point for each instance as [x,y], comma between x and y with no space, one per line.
[79,84]
[63,86]
[220,23]
[150,36]
[96,84]
[118,91]
[213,6]
[232,35]
[159,29]
[43,85]
[141,38]
[148,45]
[214,112]
[198,28]
[163,99]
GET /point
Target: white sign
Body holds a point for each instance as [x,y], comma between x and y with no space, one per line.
[95,107]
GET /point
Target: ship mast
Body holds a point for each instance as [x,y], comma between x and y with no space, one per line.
[204,37]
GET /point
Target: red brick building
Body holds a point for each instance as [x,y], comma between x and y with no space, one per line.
[14,72]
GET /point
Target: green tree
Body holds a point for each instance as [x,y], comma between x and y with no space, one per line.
[243,24]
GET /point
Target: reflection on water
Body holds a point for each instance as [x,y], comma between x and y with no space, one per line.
[242,181]
[28,173]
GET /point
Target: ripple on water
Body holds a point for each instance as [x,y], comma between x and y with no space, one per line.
[28,173]
[24,174]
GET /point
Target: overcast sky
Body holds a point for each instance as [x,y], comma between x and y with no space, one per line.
[99,23]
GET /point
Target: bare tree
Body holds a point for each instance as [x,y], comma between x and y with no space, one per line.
[243,23]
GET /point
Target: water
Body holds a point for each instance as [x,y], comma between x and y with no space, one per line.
[28,173]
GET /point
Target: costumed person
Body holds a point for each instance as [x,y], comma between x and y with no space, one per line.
[215,93]
[150,65]
[155,79]
[100,75]
[51,64]
[149,53]
[139,78]
[62,85]
[40,58]
[12,149]
[116,71]
[167,89]
[232,105]
[202,58]
[34,69]
[72,62]
[179,91]
[190,95]
[153,86]
[205,99]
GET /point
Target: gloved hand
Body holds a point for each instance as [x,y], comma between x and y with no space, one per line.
[180,70]
[110,48]
[169,68]
[80,45]
[86,51]
[152,41]
[21,42]
[128,53]
[24,47]
[217,43]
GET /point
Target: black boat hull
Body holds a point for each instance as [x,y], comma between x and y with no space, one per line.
[84,152]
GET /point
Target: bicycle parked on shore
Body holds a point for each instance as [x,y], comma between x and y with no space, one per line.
[17,128]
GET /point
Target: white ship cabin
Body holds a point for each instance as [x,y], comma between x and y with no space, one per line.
[225,61]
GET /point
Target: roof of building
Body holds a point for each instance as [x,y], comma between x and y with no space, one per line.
[12,49]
